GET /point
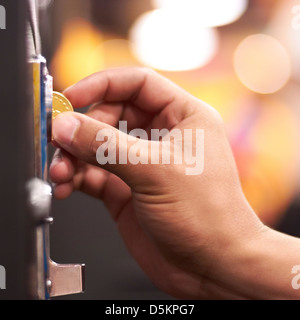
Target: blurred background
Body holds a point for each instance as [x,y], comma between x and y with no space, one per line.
[242,57]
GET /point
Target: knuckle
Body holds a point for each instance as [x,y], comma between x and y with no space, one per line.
[216,116]
[147,71]
[211,114]
[84,144]
[93,145]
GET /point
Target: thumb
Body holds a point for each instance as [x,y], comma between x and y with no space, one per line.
[99,144]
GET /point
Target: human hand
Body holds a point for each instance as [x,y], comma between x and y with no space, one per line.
[183,230]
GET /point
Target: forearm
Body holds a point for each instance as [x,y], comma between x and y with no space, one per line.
[262,268]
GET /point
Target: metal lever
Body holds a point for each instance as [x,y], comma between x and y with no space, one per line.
[65,279]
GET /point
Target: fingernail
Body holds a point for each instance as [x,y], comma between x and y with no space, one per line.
[64,128]
[56,160]
[53,186]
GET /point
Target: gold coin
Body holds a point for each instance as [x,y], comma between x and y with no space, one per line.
[60,104]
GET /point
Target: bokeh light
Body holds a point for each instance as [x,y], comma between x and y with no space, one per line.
[262,63]
[117,53]
[78,54]
[167,41]
[210,13]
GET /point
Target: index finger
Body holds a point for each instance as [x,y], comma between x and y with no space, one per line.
[142,87]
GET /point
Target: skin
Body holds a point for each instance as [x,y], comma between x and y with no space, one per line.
[196,237]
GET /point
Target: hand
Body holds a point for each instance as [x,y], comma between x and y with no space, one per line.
[183,230]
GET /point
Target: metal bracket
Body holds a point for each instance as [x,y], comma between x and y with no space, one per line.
[65,279]
[52,279]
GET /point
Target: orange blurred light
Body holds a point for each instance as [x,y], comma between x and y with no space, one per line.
[265,147]
[78,54]
[117,53]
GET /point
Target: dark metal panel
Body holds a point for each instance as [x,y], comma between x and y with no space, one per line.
[16,161]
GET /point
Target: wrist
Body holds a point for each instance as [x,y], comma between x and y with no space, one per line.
[260,266]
